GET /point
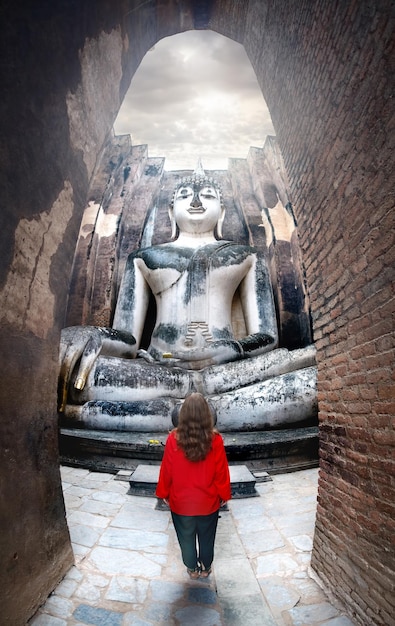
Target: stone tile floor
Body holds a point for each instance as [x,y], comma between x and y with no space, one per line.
[128,570]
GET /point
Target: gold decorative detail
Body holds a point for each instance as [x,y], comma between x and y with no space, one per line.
[79,384]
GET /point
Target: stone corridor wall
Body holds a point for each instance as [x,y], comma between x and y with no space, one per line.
[326,72]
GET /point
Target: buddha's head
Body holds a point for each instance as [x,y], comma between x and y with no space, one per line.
[196,206]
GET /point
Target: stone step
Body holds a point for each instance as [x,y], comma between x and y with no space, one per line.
[144,479]
[110,451]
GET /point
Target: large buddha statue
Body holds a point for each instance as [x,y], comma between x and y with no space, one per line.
[108,382]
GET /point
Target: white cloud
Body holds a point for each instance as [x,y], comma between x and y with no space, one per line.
[195,94]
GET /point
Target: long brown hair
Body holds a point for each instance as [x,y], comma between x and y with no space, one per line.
[195,429]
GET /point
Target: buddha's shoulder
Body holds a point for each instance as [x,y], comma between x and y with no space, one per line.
[164,255]
[229,252]
[170,255]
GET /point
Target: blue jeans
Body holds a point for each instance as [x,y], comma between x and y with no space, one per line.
[190,528]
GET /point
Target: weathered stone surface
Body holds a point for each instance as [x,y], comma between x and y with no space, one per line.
[135,195]
[278,450]
[122,589]
[131,539]
[193,279]
[302,616]
[113,561]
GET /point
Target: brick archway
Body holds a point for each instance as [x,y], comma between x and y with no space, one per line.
[324,69]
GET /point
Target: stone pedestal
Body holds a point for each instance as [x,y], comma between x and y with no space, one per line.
[275,450]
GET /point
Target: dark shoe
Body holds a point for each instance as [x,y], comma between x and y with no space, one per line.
[205,573]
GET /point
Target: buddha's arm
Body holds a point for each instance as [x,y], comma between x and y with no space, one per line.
[133,299]
[86,343]
[258,308]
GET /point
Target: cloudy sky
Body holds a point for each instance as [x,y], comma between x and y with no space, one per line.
[195,94]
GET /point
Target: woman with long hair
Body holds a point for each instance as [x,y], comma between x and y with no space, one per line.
[194,481]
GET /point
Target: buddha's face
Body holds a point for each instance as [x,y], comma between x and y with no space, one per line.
[197,208]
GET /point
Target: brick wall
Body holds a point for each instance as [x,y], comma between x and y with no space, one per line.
[329,84]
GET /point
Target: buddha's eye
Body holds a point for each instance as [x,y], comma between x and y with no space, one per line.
[208,192]
[184,193]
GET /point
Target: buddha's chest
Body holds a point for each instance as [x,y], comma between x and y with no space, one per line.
[193,275]
[195,282]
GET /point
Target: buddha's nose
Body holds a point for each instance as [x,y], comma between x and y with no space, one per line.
[196,201]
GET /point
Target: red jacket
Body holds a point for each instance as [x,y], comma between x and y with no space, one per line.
[194,488]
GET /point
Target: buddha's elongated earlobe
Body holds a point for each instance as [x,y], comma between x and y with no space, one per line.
[173,223]
[220,222]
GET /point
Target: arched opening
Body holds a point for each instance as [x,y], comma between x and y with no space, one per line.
[130,194]
[195,95]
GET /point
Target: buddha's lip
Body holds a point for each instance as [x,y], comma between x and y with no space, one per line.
[199,209]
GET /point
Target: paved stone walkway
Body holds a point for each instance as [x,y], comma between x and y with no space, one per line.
[128,570]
